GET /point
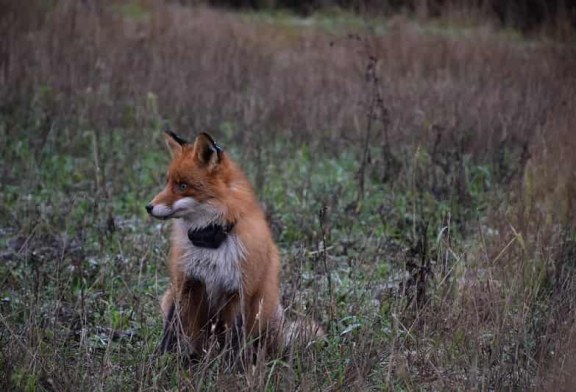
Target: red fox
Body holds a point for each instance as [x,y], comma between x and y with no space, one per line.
[224,264]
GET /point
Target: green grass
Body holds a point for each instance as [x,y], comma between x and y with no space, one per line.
[83,266]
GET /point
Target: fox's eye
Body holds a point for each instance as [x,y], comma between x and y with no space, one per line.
[182,186]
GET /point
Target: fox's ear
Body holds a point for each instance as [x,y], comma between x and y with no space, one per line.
[206,150]
[174,142]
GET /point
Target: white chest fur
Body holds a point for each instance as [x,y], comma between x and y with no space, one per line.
[219,268]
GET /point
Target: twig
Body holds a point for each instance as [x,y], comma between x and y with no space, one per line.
[324,252]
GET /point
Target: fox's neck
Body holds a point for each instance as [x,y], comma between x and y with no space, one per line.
[204,216]
[240,201]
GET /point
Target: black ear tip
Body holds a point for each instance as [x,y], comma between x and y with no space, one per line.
[177,138]
[213,144]
[207,136]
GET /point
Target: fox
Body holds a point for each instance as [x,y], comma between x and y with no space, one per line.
[223,262]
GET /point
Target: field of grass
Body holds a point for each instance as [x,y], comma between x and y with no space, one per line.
[418,177]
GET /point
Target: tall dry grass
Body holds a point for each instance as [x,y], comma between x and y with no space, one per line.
[204,67]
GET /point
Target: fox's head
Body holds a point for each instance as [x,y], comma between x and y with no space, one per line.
[195,186]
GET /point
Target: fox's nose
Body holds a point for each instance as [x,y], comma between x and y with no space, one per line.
[149,208]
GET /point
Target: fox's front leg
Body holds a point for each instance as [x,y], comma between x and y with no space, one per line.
[185,317]
[169,334]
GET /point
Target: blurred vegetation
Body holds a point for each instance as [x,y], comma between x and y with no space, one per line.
[525,15]
[418,175]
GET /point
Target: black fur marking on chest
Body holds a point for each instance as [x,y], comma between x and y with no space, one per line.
[211,236]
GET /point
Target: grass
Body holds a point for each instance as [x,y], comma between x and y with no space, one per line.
[419,186]
[84,267]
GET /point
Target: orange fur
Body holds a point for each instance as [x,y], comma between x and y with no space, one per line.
[216,190]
